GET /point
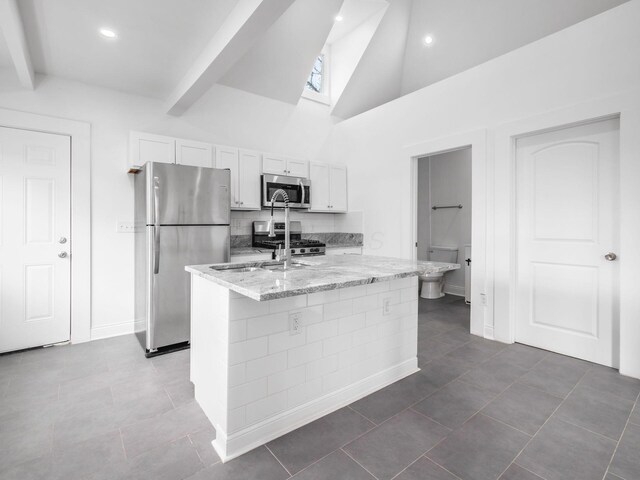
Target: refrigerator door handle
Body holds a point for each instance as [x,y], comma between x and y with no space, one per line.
[156,201]
[156,227]
[156,249]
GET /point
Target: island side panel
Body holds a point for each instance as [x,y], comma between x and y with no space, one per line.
[348,346]
[210,349]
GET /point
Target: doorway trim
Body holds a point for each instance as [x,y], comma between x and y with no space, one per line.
[480,288]
[80,134]
[502,233]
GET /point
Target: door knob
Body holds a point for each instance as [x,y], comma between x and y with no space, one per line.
[62,240]
[62,254]
[610,257]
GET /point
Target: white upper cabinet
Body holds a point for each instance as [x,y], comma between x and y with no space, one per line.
[277,165]
[274,165]
[328,188]
[245,176]
[319,176]
[146,147]
[227,157]
[195,154]
[298,168]
[338,188]
[249,179]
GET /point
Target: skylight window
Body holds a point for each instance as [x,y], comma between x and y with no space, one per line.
[315,80]
[317,86]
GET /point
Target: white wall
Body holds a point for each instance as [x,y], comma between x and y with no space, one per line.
[224,116]
[588,61]
[445,179]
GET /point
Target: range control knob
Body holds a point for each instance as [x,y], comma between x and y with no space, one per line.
[302,250]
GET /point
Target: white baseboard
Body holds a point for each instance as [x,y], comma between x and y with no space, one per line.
[454,290]
[115,330]
[488,332]
[231,446]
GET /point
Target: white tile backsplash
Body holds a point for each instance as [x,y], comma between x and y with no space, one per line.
[311,222]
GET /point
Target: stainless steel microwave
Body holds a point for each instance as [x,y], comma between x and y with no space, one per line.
[298,189]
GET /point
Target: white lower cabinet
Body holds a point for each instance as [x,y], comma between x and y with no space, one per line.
[245,176]
[328,188]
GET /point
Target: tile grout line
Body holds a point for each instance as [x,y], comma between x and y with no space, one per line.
[526,469]
[432,420]
[361,414]
[340,448]
[351,457]
[278,460]
[124,450]
[615,450]
[542,426]
[197,453]
[428,459]
[506,424]
[315,461]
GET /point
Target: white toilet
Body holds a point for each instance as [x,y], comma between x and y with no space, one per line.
[433,283]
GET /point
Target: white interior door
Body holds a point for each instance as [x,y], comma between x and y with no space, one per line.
[34,231]
[567,184]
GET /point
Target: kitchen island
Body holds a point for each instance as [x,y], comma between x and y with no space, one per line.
[274,349]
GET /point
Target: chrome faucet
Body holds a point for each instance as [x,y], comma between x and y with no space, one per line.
[287,233]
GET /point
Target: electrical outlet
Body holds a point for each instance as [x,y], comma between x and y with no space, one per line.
[295,323]
[386,306]
[125,227]
[483,299]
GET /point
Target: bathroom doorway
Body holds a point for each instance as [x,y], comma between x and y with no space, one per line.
[443,234]
[444,222]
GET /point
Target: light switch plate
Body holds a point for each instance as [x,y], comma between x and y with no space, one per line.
[125,227]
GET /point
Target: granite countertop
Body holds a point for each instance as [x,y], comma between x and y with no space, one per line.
[312,274]
[344,245]
[249,250]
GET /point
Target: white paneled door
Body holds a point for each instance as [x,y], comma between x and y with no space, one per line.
[567,237]
[35,269]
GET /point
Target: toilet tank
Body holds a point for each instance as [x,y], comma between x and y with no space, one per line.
[443,254]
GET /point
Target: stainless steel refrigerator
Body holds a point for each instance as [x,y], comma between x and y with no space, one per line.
[182,217]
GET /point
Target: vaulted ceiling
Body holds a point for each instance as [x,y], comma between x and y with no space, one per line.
[176,51]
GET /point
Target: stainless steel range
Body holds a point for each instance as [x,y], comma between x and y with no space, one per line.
[299,245]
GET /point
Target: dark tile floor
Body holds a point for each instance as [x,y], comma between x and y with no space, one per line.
[477,410]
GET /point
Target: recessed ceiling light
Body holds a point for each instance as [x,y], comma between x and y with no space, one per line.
[339,18]
[428,39]
[108,33]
